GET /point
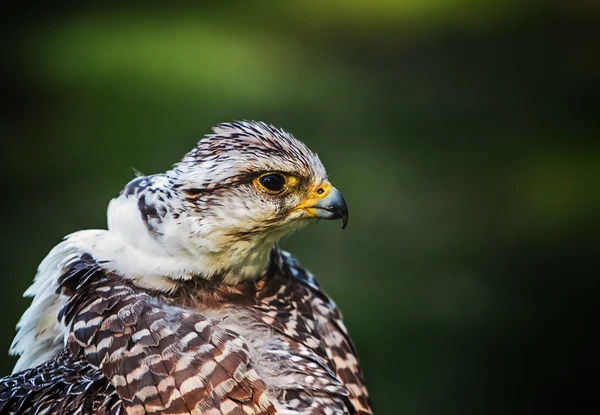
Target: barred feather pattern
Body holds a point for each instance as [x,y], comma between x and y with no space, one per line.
[161,359]
[64,385]
[136,351]
[319,358]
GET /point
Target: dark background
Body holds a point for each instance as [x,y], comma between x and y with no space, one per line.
[464,135]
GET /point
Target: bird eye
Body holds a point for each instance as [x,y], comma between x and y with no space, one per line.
[273,182]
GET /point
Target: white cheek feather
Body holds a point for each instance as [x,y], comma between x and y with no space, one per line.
[187,246]
[130,250]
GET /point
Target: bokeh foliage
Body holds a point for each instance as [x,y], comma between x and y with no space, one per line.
[463,135]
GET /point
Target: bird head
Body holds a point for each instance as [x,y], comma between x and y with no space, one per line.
[223,207]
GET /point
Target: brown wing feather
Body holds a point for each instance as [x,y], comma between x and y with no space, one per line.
[161,359]
[339,350]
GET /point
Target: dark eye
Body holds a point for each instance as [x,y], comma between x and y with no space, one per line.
[273,182]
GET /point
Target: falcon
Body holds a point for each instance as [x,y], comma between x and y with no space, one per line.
[185,304]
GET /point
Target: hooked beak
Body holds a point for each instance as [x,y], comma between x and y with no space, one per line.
[332,206]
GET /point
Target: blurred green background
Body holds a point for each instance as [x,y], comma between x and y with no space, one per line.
[464,135]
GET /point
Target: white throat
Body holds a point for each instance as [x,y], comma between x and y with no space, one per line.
[175,252]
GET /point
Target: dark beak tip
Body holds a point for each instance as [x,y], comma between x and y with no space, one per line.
[344,222]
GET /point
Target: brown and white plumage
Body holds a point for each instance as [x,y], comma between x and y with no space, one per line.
[185,305]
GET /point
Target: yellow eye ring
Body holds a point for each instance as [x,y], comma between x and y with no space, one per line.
[274,182]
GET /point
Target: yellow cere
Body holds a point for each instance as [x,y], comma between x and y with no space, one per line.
[319,192]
